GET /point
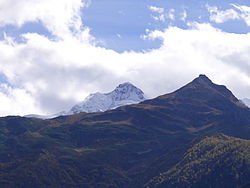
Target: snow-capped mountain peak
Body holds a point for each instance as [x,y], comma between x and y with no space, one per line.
[123,94]
[127,91]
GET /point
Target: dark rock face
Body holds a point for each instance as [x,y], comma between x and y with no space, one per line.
[131,145]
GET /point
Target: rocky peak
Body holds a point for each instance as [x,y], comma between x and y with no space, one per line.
[123,94]
[127,91]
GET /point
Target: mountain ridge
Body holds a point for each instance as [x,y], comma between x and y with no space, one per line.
[125,147]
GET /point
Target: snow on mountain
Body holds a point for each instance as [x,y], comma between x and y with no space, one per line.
[46,116]
[39,116]
[246,101]
[124,94]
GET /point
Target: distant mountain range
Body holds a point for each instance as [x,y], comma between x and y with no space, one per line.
[124,94]
[196,136]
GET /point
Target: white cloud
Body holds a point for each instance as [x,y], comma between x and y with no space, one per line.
[170,14]
[156,9]
[205,49]
[161,18]
[16,101]
[238,12]
[183,16]
[161,15]
[59,17]
[244,12]
[59,73]
[221,16]
[159,11]
[119,36]
[52,75]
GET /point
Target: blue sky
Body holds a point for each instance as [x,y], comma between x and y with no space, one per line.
[108,19]
[119,24]
[94,45]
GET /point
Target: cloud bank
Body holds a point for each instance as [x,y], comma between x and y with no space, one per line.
[238,12]
[49,75]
